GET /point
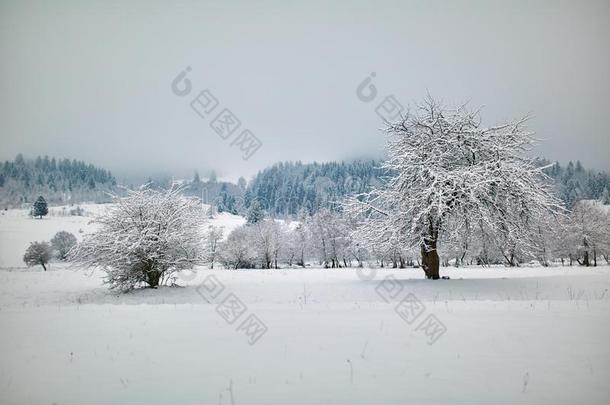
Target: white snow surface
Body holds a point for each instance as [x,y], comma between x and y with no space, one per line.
[529,335]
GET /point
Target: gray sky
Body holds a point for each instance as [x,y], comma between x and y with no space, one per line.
[92,80]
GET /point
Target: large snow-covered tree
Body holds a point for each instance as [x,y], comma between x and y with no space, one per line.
[450,173]
[145,238]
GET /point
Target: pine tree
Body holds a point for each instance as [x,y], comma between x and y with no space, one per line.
[255,213]
[40,208]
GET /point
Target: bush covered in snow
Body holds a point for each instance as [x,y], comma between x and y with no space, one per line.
[61,243]
[145,238]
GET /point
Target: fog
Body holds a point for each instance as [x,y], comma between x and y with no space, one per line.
[94,81]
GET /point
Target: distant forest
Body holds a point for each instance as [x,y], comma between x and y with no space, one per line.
[575,183]
[284,189]
[60,181]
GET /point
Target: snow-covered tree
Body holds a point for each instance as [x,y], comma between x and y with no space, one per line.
[61,243]
[213,238]
[297,242]
[237,251]
[268,239]
[588,232]
[255,213]
[329,234]
[447,171]
[145,238]
[38,253]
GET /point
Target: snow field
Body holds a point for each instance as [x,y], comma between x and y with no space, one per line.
[534,335]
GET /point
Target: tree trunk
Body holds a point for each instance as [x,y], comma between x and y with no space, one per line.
[43,266]
[152,278]
[586,258]
[430,260]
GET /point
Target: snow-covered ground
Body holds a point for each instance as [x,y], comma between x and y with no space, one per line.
[531,335]
[18,229]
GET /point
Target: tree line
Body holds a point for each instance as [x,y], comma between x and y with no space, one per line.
[287,188]
[59,180]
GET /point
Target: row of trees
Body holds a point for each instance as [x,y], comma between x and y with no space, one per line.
[40,253]
[333,239]
[152,234]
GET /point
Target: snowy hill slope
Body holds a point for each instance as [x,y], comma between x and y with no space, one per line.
[18,229]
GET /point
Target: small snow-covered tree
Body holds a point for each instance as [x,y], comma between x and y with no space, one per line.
[237,251]
[446,170]
[38,253]
[296,245]
[213,238]
[145,238]
[268,240]
[588,231]
[61,243]
[255,213]
[329,237]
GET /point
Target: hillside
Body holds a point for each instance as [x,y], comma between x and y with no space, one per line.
[60,181]
[288,187]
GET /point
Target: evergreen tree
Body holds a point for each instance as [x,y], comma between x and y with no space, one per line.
[40,208]
[255,213]
[605,197]
[241,183]
[226,202]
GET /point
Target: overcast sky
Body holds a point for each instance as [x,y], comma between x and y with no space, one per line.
[92,80]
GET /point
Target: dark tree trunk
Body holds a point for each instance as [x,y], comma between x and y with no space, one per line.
[152,278]
[43,266]
[585,260]
[430,260]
